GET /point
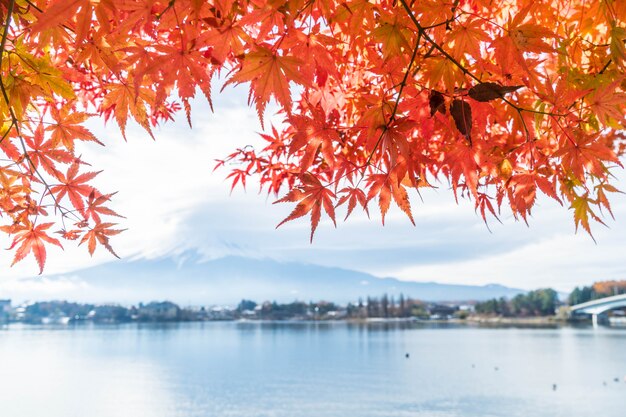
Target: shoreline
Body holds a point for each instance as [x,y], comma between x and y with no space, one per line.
[477,321]
[542,320]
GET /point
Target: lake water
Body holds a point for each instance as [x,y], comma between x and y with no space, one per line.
[311,370]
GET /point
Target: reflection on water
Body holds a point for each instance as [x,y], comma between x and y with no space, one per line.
[311,369]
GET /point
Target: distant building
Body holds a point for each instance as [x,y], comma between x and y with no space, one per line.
[440,311]
[194,313]
[58,317]
[19,313]
[157,311]
[110,314]
[221,313]
[466,307]
[248,314]
[5,310]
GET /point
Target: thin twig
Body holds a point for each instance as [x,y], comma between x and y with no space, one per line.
[15,123]
[395,107]
[422,31]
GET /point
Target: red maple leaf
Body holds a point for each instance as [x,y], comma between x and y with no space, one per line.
[311,196]
[74,186]
[46,153]
[32,239]
[95,208]
[100,234]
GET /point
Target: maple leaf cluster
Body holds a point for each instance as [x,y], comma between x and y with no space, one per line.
[500,99]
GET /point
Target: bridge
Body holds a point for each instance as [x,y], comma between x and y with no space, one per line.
[599,306]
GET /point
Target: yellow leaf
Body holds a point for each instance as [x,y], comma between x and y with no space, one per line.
[506,169]
[467,39]
[617,46]
[50,80]
[393,40]
[441,70]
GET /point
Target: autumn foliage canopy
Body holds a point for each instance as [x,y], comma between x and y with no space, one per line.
[499,100]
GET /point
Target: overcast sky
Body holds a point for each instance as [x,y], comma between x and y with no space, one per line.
[173,202]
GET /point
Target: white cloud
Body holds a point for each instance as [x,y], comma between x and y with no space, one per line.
[552,256]
[43,287]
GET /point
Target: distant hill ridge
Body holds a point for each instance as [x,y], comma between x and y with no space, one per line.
[189,280]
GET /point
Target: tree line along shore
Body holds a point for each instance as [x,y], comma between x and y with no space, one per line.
[538,306]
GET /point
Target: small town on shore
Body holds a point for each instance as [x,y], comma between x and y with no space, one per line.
[540,306]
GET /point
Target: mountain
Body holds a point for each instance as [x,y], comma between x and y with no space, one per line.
[190,280]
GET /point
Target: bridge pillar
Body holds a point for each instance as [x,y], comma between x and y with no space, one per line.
[594,320]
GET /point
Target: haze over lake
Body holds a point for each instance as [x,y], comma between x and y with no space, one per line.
[311,370]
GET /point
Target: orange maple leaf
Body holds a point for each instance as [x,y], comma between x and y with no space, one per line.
[122,100]
[269,75]
[353,195]
[95,208]
[182,66]
[46,153]
[100,233]
[59,12]
[607,103]
[311,196]
[74,186]
[67,128]
[313,134]
[585,153]
[32,239]
[387,186]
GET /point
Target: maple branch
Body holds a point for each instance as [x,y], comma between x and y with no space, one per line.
[521,109]
[606,66]
[47,187]
[7,25]
[34,6]
[422,31]
[15,121]
[306,6]
[393,113]
[404,80]
[169,6]
[40,10]
[7,132]
[5,34]
[446,22]
[519,113]
[395,107]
